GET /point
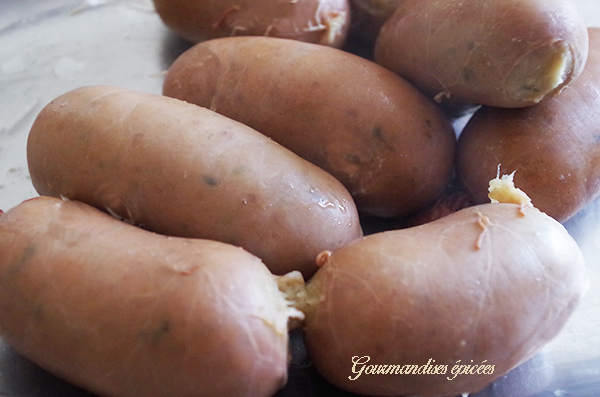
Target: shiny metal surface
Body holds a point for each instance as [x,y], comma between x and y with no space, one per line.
[48,47]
